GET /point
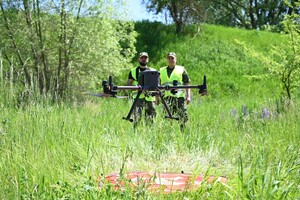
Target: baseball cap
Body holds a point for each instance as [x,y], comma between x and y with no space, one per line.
[172,54]
[143,54]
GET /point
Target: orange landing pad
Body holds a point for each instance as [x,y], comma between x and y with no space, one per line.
[158,182]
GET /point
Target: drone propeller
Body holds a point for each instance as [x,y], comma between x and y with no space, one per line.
[105,95]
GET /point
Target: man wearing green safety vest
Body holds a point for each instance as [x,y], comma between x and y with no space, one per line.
[147,102]
[176,99]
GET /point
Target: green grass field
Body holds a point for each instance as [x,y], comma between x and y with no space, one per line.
[60,151]
[240,130]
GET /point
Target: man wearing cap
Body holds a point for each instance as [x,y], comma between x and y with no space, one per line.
[176,99]
[144,101]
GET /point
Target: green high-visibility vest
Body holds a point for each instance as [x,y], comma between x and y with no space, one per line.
[176,75]
[135,82]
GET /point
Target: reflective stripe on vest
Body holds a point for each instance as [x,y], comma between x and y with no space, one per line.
[176,75]
[135,82]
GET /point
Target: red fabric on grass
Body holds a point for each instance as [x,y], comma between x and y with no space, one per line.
[158,182]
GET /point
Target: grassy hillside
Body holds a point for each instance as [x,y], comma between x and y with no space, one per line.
[214,51]
[240,130]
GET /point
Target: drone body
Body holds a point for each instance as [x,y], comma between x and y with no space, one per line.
[149,83]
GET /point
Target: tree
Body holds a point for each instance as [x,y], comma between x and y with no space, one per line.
[283,62]
[64,45]
[182,12]
[251,14]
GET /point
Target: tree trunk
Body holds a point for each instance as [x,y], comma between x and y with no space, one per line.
[46,73]
[16,48]
[175,14]
[59,87]
[34,49]
[252,10]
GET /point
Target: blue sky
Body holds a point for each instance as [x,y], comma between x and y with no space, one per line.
[138,12]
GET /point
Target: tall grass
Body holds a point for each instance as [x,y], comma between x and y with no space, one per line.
[60,151]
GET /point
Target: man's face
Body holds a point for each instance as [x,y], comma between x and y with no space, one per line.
[171,61]
[143,60]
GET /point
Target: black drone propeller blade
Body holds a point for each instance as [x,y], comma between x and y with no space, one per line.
[120,97]
[99,94]
[105,95]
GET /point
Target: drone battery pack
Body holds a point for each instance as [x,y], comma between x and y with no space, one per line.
[149,79]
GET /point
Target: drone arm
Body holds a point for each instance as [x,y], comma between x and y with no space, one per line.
[202,88]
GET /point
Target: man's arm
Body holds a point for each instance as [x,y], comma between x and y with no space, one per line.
[130,79]
[188,94]
[129,82]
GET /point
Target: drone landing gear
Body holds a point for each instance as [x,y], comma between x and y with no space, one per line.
[170,116]
[133,106]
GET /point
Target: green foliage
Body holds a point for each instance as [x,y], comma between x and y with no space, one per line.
[153,37]
[258,14]
[283,61]
[181,12]
[106,48]
[58,48]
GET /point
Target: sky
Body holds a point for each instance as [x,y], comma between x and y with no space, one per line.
[138,12]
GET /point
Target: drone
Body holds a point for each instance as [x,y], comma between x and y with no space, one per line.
[149,84]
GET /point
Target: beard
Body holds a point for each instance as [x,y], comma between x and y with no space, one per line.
[143,64]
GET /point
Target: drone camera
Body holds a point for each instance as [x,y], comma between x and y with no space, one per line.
[149,79]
